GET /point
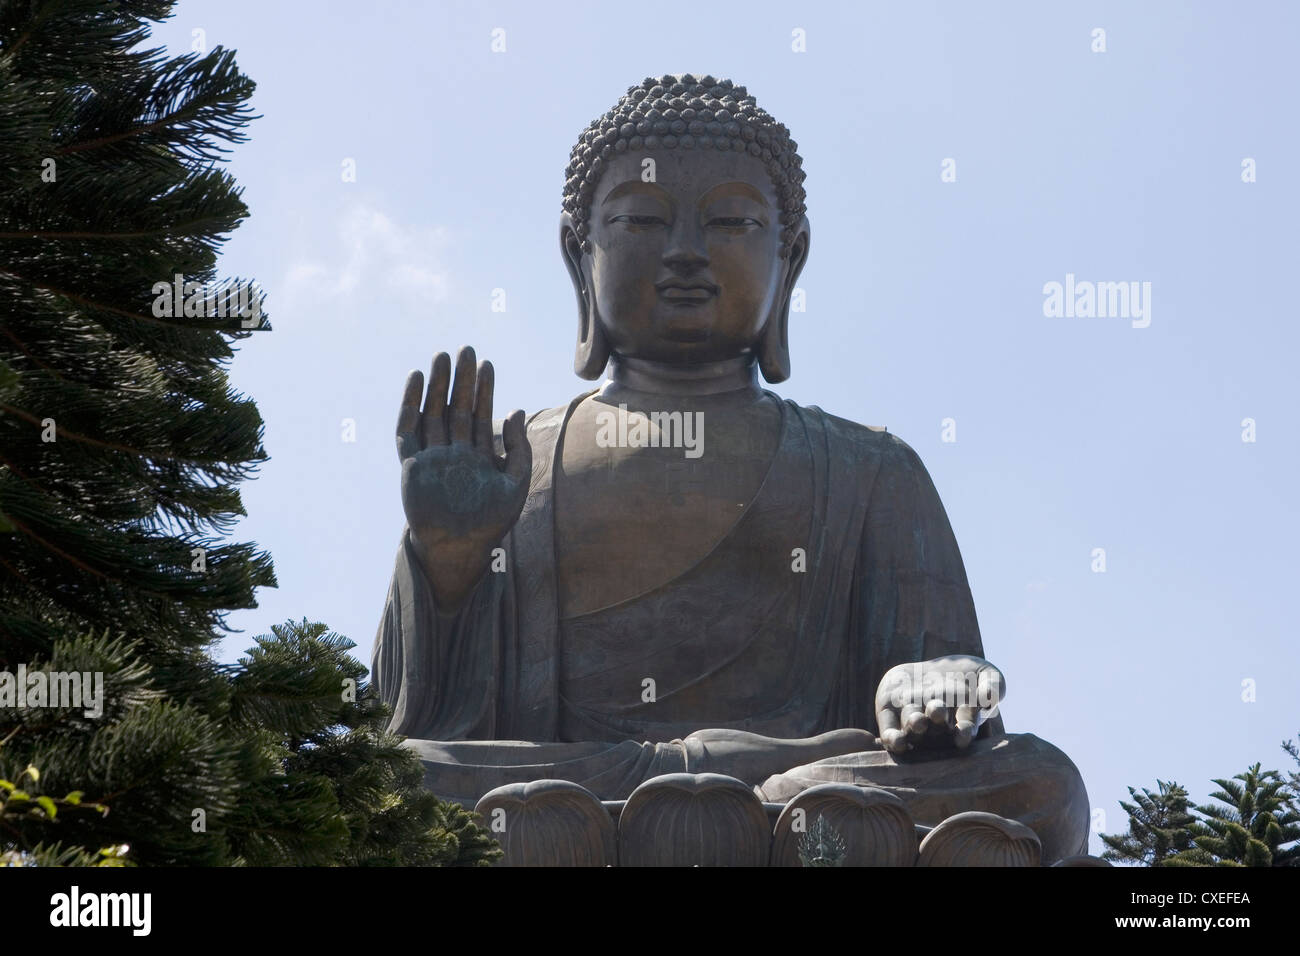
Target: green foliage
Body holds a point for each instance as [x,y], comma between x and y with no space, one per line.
[16,802]
[308,776]
[121,442]
[1159,827]
[107,186]
[122,445]
[303,695]
[58,855]
[1292,777]
[1251,828]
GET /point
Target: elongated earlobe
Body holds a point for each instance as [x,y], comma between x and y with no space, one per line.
[593,351]
[774,349]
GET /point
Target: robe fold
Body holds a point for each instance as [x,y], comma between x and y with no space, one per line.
[841,566]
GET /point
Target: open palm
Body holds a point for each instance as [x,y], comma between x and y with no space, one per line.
[459,495]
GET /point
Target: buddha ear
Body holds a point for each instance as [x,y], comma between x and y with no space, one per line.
[593,350]
[774,347]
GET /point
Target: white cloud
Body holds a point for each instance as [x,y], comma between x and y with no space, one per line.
[373,255]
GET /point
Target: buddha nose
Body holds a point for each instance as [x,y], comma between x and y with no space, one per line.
[686,250]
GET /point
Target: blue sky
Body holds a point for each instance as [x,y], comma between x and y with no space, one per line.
[924,302]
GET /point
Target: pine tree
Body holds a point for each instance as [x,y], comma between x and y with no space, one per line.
[319,779]
[1159,826]
[327,733]
[1292,777]
[1252,828]
[121,441]
[121,448]
[1293,786]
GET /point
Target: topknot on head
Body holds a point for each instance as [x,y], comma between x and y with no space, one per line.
[687,112]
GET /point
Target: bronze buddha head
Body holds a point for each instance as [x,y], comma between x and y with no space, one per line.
[684,228]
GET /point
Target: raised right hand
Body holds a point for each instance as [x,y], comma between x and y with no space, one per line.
[460,498]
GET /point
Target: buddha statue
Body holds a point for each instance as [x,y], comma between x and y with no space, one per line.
[679,572]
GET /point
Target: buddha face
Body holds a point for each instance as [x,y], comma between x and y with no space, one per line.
[685,269]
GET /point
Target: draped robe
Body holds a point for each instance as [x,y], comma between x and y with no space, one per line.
[505,689]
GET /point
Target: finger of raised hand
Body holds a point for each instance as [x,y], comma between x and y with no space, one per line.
[408,417]
[519,453]
[460,412]
[433,426]
[936,711]
[483,409]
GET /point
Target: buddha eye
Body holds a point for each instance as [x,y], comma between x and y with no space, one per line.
[734,222]
[638,220]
